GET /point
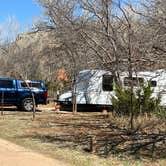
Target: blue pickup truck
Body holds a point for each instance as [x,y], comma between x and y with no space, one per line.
[19,93]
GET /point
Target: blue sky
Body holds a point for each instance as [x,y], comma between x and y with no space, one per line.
[24,11]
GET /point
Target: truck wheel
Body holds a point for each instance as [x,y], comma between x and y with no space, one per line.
[27,104]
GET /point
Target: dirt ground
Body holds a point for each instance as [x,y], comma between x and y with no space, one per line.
[84,139]
[14,155]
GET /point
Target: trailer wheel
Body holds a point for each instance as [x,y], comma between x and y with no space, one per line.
[27,104]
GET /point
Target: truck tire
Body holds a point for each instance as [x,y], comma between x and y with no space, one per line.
[27,104]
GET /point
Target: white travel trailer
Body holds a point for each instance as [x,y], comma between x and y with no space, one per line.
[95,88]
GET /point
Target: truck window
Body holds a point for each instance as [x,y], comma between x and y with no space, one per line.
[31,84]
[6,83]
[137,81]
[107,83]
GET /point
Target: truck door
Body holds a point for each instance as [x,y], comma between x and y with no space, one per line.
[8,92]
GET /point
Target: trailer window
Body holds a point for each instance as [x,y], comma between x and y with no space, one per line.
[107,83]
[137,81]
[153,83]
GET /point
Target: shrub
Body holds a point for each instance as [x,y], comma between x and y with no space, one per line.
[121,101]
[143,101]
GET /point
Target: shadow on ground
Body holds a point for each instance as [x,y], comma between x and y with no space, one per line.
[100,135]
[14,109]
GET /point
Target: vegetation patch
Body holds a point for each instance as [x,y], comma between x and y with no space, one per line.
[88,138]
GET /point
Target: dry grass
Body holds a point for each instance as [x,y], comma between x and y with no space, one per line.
[66,136]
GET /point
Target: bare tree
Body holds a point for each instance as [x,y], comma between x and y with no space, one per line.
[152,29]
[66,25]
